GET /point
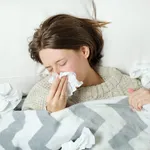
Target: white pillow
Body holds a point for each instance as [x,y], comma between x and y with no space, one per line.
[127,38]
[18,21]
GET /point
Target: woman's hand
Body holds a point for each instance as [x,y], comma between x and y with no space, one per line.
[57,98]
[139,98]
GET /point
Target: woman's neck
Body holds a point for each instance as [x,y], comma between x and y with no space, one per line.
[93,78]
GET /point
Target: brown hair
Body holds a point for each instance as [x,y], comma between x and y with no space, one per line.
[68,32]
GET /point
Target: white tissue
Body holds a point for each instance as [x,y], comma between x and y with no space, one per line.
[142,71]
[73,83]
[9,98]
[5,89]
[86,140]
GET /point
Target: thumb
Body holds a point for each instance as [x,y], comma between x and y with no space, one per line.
[130,90]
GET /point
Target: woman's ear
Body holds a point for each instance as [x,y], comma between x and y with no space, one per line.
[85,51]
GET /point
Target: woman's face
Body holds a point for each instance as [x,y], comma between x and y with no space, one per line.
[64,60]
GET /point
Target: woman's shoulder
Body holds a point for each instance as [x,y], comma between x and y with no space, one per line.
[107,72]
[37,95]
[43,83]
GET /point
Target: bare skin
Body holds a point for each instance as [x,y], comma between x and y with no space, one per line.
[139,98]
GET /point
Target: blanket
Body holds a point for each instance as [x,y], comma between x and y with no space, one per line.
[113,123]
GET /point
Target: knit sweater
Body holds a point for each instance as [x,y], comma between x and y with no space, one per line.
[115,84]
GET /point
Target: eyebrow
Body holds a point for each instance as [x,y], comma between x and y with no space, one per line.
[55,62]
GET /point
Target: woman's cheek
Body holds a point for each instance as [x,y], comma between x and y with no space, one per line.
[66,69]
[75,69]
[71,68]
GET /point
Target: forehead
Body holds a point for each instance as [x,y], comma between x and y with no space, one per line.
[52,55]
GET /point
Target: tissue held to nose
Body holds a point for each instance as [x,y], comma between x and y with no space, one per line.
[73,83]
[63,85]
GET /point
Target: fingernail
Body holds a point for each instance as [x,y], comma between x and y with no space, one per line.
[130,90]
[139,107]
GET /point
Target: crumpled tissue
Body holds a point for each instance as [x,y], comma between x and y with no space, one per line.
[86,140]
[9,98]
[142,71]
[73,83]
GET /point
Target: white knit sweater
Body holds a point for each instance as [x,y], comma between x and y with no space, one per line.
[115,84]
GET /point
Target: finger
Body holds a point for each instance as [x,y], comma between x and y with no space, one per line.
[139,106]
[60,87]
[140,102]
[130,90]
[134,96]
[64,91]
[54,87]
[137,99]
[136,104]
[134,101]
[146,97]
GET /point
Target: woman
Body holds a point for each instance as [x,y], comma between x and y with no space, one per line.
[65,43]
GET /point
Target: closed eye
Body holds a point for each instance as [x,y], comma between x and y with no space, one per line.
[62,63]
[50,69]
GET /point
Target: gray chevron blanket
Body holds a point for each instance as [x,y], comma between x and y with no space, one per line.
[114,125]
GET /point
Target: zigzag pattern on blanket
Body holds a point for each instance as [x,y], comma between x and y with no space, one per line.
[115,127]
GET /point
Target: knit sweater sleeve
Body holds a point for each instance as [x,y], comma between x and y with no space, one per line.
[124,82]
[128,82]
[36,99]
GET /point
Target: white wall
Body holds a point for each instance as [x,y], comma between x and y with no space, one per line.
[127,38]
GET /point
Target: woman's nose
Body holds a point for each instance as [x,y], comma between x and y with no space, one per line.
[56,70]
